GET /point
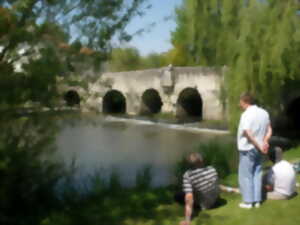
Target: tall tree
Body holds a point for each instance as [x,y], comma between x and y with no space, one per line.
[258,41]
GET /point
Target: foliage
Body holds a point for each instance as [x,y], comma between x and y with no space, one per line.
[107,201]
[43,39]
[154,60]
[28,176]
[128,59]
[258,41]
[144,178]
[124,59]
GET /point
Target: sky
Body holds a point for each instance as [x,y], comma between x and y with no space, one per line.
[157,37]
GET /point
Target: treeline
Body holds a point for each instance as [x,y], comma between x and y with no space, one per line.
[127,59]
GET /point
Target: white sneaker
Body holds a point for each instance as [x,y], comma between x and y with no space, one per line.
[245,205]
[257,205]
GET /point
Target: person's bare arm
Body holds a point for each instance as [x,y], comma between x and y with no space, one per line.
[189,201]
[267,138]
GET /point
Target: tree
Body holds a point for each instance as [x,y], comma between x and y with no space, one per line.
[195,37]
[41,40]
[127,59]
[154,60]
[258,41]
[124,59]
[42,36]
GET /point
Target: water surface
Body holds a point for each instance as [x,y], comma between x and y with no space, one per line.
[106,143]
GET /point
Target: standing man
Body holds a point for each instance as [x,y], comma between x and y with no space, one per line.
[253,140]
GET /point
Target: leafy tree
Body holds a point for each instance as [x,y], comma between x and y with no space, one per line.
[40,41]
[154,60]
[258,41]
[195,37]
[127,59]
[124,59]
[43,38]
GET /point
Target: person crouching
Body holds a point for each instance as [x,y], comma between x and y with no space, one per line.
[200,186]
[280,180]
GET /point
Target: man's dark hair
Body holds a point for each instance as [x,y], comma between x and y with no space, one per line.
[248,98]
[275,154]
[195,160]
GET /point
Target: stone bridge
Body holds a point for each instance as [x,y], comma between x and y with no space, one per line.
[181,91]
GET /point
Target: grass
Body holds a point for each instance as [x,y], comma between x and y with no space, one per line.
[293,154]
[270,213]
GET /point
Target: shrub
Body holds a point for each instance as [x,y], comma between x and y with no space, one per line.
[28,177]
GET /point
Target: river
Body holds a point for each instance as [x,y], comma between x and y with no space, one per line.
[106,143]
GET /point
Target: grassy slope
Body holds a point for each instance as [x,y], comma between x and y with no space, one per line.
[270,213]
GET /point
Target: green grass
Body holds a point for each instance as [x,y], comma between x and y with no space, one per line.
[293,154]
[270,213]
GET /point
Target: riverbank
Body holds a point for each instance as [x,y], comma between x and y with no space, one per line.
[143,205]
[29,190]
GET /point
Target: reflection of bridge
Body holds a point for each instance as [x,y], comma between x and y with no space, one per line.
[192,91]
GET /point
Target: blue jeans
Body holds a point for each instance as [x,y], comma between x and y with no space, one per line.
[250,175]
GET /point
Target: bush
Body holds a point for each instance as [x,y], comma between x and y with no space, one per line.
[27,177]
[108,202]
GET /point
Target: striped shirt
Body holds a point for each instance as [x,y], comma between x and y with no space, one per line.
[203,182]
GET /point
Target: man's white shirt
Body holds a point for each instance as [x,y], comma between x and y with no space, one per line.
[284,178]
[257,121]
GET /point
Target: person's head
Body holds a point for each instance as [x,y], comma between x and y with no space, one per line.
[246,99]
[195,160]
[275,154]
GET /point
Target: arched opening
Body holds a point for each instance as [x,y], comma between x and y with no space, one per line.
[114,102]
[293,113]
[72,98]
[189,104]
[151,102]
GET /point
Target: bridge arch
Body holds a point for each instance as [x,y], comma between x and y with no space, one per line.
[114,102]
[189,103]
[151,102]
[72,98]
[293,112]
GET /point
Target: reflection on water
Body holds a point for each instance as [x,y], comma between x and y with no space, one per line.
[104,143]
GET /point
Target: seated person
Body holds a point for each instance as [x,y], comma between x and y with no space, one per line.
[280,181]
[200,186]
